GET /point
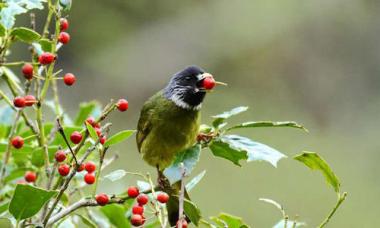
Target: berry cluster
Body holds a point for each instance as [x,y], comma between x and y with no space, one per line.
[138,218]
[21,102]
[91,120]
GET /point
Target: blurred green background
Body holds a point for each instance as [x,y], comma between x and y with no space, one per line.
[315,62]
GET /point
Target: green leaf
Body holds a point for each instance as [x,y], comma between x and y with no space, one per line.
[315,162]
[119,137]
[92,131]
[4,207]
[236,148]
[38,155]
[227,220]
[14,174]
[3,30]
[85,110]
[25,35]
[195,181]
[11,78]
[46,45]
[28,200]
[189,158]
[116,175]
[116,215]
[220,119]
[254,124]
[191,210]
[86,221]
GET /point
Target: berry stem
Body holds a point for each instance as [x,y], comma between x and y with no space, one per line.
[62,132]
[8,150]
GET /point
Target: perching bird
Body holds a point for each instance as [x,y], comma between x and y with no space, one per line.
[169,123]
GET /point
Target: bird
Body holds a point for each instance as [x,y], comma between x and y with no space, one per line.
[169,123]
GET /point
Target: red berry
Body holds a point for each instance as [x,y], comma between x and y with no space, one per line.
[91,120]
[17,142]
[133,192]
[184,223]
[137,209]
[89,178]
[64,37]
[19,102]
[30,100]
[64,170]
[102,199]
[122,105]
[98,131]
[142,199]
[76,137]
[90,167]
[30,176]
[64,24]
[60,156]
[137,220]
[27,70]
[69,79]
[46,58]
[80,168]
[208,83]
[103,140]
[162,197]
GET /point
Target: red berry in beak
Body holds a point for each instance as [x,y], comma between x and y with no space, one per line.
[208,83]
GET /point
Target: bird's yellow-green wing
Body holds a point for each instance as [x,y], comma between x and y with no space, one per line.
[145,124]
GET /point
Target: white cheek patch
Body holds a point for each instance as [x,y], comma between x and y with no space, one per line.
[182,104]
[200,77]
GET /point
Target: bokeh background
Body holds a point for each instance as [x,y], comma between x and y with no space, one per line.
[315,62]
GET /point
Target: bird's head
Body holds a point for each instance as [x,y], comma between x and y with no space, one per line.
[187,88]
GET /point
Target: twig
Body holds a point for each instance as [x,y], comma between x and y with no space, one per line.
[62,132]
[341,199]
[181,197]
[66,183]
[8,150]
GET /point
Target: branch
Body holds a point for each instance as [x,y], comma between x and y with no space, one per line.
[341,198]
[181,197]
[62,132]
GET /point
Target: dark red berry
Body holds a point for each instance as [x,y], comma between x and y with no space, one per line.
[64,37]
[103,139]
[102,199]
[98,131]
[60,156]
[89,178]
[137,209]
[64,170]
[76,137]
[133,192]
[30,100]
[30,176]
[184,223]
[137,220]
[17,142]
[64,24]
[208,83]
[122,105]
[27,70]
[80,168]
[69,79]
[142,199]
[46,58]
[91,120]
[19,102]
[90,167]
[162,197]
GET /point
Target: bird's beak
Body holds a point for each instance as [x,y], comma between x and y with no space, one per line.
[203,76]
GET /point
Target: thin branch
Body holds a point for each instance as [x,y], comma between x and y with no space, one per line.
[62,132]
[181,197]
[341,199]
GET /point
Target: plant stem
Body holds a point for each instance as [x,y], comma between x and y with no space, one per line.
[181,197]
[341,198]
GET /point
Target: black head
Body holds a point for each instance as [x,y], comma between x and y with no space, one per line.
[185,88]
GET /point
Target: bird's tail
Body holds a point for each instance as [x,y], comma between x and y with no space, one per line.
[172,205]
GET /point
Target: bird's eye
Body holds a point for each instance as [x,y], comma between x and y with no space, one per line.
[188,78]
